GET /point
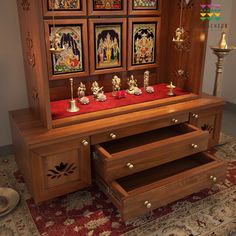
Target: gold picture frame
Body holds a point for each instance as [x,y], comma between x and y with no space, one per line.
[107,7]
[108,45]
[73,60]
[144,7]
[72,8]
[143,42]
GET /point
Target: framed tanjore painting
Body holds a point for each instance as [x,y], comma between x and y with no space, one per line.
[107,45]
[64,7]
[144,7]
[143,42]
[72,61]
[107,7]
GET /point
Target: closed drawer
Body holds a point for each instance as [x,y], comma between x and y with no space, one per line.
[148,190]
[140,128]
[129,155]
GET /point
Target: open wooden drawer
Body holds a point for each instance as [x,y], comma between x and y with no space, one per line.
[130,155]
[139,193]
[140,128]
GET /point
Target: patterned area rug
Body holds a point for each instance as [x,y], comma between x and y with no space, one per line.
[89,212]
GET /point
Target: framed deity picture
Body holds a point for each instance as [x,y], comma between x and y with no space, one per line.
[64,7]
[144,7]
[73,40]
[107,7]
[143,42]
[107,45]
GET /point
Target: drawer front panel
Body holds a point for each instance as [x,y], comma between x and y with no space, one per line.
[128,162]
[149,198]
[140,128]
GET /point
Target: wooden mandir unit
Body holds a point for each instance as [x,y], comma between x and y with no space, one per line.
[144,154]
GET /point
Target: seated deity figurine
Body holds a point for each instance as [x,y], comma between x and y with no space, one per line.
[81,90]
[116,82]
[96,90]
[132,85]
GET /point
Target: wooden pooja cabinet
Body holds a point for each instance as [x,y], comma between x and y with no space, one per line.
[145,154]
[46,87]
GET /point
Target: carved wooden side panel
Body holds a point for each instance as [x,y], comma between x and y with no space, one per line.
[60,168]
[208,120]
[31,26]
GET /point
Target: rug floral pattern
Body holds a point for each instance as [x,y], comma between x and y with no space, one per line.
[89,212]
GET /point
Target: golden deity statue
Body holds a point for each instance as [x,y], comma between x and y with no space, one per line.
[132,83]
[81,90]
[116,82]
[96,90]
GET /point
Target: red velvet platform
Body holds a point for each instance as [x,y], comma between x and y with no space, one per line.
[59,108]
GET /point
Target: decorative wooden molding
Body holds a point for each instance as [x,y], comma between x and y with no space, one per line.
[25,5]
[30,50]
[35,94]
[181,74]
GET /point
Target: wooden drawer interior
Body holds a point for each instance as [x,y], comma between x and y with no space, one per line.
[146,138]
[164,171]
[164,184]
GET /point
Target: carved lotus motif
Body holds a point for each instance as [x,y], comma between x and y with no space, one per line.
[63,169]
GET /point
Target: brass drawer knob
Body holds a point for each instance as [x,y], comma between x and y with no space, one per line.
[195,146]
[175,120]
[147,204]
[85,143]
[213,178]
[113,136]
[195,116]
[130,165]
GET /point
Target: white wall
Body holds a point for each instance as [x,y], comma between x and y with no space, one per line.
[12,82]
[228,81]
